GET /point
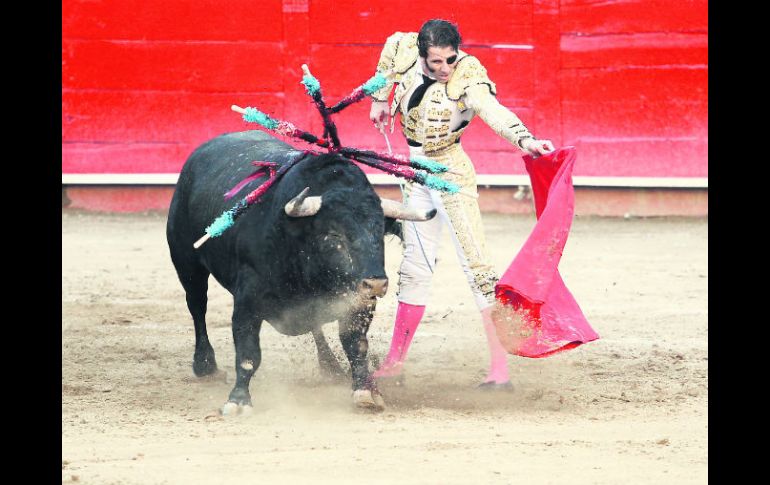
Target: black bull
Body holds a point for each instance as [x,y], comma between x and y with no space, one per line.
[295,269]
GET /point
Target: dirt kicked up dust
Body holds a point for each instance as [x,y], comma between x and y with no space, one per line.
[631,407]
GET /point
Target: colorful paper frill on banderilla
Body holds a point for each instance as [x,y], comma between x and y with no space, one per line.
[535,314]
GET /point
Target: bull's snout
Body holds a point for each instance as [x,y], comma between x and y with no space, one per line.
[373,287]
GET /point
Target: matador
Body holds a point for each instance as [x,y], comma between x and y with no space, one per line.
[439,90]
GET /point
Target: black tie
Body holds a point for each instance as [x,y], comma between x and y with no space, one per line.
[418,93]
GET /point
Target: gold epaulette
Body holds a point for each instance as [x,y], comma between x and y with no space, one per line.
[400,53]
[468,72]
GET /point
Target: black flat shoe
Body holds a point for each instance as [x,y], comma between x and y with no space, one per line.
[494,386]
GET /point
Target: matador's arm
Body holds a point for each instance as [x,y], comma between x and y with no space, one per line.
[473,87]
[502,120]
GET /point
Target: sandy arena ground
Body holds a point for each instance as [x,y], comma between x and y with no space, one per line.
[630,408]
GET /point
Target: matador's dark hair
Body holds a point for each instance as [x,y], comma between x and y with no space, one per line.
[437,33]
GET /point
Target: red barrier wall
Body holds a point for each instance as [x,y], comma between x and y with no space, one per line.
[143,83]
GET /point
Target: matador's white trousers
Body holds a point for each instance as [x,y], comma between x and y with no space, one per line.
[461,215]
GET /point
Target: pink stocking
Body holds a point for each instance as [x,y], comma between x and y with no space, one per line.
[498,365]
[407,318]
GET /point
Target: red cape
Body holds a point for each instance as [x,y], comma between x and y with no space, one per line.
[536,315]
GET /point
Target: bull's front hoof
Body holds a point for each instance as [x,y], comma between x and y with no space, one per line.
[204,362]
[204,368]
[368,400]
[234,409]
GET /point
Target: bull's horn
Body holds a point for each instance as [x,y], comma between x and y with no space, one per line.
[397,210]
[302,205]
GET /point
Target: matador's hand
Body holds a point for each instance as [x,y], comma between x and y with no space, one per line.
[538,147]
[379,115]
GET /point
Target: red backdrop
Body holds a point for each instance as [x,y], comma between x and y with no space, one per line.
[143,83]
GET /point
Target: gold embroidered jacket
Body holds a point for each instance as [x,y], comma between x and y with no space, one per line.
[437,122]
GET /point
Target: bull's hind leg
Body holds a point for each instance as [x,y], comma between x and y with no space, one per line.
[353,337]
[195,280]
[248,355]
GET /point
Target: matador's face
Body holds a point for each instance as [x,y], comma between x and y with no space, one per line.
[441,62]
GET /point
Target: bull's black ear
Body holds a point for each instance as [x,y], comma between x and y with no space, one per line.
[394,226]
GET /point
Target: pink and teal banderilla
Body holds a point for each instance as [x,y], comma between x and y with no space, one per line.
[228,217]
[416,169]
[375,83]
[417,162]
[418,176]
[253,115]
[313,88]
[374,159]
[393,164]
[259,172]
